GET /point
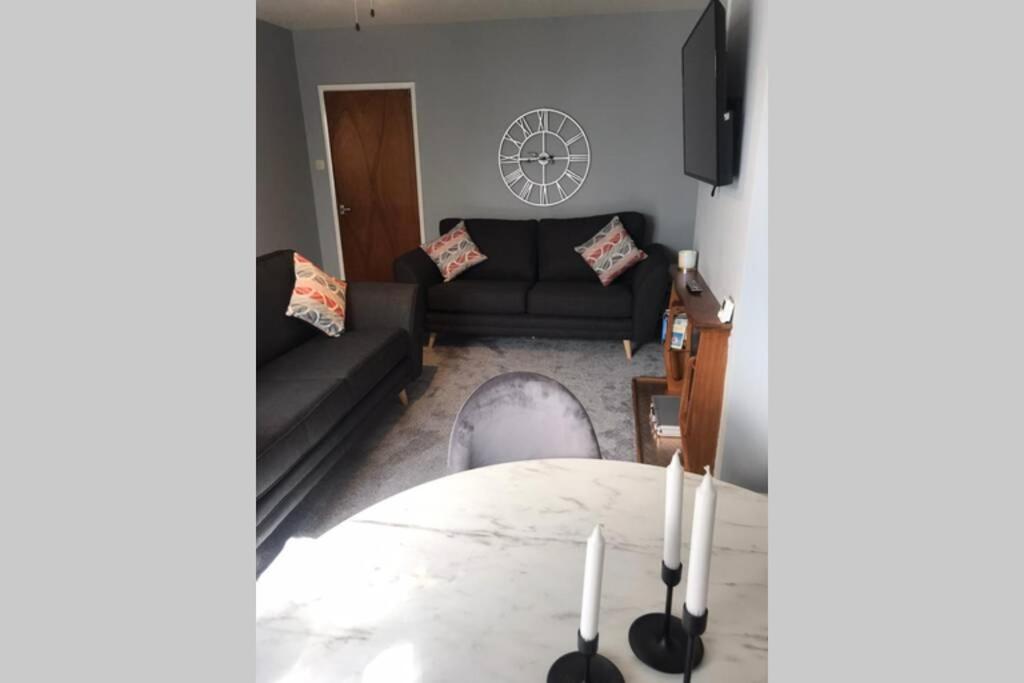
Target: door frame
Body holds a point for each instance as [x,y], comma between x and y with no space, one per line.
[321,92]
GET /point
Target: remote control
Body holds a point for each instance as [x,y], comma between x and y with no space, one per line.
[694,287]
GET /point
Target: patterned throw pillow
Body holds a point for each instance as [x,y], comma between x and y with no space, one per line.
[454,252]
[611,252]
[317,298]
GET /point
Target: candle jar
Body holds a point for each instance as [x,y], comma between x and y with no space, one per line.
[687,260]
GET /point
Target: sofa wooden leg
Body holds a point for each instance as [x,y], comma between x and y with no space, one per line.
[628,345]
[431,340]
[404,398]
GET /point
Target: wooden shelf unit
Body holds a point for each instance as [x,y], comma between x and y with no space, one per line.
[696,373]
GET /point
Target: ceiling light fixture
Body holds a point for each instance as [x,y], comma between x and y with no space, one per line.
[355,11]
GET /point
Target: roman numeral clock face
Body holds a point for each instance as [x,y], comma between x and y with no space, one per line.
[544,157]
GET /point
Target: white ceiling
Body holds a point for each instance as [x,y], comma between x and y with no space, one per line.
[305,14]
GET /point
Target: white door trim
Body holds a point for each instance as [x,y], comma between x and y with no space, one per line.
[321,90]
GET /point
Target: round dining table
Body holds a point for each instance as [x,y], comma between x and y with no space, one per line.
[478,576]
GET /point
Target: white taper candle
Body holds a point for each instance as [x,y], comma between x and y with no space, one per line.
[670,552]
[592,572]
[700,546]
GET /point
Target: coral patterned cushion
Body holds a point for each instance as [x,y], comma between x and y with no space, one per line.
[454,252]
[611,252]
[317,298]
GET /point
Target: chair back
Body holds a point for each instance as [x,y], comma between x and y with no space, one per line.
[520,416]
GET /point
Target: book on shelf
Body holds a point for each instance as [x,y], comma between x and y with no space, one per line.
[679,332]
[665,415]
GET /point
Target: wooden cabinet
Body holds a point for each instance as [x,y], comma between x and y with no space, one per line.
[697,372]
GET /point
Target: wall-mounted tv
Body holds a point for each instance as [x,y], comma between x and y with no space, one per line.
[707,121]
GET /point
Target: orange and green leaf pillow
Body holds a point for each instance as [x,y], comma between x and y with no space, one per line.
[611,252]
[317,298]
[454,252]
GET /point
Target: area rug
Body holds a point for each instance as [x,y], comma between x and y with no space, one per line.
[409,446]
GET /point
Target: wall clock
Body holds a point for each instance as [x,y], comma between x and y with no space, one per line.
[544,157]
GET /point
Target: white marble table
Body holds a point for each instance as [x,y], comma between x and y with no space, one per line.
[478,577]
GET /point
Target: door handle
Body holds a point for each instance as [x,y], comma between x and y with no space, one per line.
[342,209]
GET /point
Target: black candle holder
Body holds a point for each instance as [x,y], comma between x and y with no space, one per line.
[658,639]
[584,666]
[693,627]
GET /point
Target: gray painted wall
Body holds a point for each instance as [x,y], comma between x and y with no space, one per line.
[619,76]
[285,215]
[732,237]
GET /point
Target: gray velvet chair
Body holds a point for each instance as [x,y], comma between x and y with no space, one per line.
[520,416]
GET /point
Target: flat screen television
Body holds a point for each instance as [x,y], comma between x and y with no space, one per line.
[707,121]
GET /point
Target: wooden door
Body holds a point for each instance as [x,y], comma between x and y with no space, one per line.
[373,156]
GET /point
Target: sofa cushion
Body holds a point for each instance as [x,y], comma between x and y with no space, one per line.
[580,300]
[292,415]
[510,246]
[362,357]
[557,239]
[303,394]
[276,333]
[478,296]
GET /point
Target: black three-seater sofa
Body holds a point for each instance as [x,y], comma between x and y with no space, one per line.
[534,283]
[316,394]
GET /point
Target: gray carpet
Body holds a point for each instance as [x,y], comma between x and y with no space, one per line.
[409,446]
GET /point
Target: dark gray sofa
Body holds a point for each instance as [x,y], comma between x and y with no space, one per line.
[534,283]
[314,393]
